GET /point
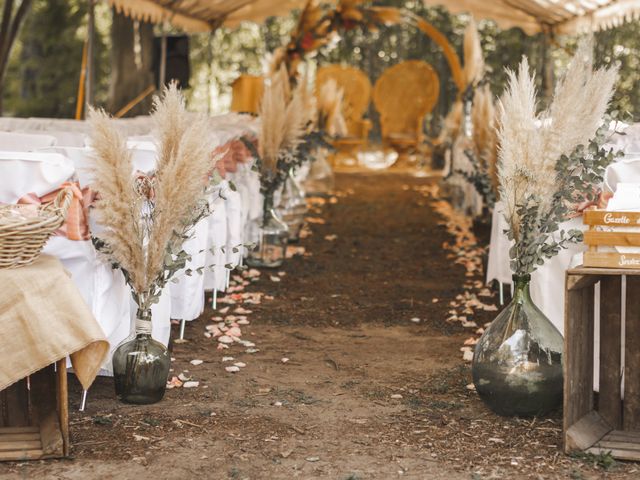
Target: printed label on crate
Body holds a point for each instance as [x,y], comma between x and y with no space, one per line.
[601,217]
[617,219]
[627,262]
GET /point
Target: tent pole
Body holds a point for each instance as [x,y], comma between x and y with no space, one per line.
[547,63]
[210,62]
[88,91]
[163,60]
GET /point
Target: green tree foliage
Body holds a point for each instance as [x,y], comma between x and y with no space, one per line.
[45,67]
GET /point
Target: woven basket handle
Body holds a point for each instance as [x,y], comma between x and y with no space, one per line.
[63,200]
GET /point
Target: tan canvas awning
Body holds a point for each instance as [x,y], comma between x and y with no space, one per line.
[563,16]
[203,15]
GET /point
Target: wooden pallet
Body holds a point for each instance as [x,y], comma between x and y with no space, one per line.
[595,239]
[34,416]
[614,424]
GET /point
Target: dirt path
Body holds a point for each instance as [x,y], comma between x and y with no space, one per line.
[365,392]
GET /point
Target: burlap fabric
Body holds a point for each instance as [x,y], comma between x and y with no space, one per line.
[43,319]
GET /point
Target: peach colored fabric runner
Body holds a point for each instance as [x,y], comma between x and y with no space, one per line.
[76,225]
[43,319]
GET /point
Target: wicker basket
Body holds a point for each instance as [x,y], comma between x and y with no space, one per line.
[24,229]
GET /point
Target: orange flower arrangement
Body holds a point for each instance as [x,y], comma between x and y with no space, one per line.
[318,24]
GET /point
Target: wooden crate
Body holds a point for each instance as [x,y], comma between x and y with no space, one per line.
[34,416]
[595,238]
[612,424]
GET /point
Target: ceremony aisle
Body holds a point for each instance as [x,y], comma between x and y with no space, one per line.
[352,366]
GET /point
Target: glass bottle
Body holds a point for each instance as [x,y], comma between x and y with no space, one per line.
[293,207]
[320,180]
[141,365]
[517,364]
[456,186]
[272,242]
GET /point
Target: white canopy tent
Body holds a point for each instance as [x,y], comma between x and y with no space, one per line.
[559,16]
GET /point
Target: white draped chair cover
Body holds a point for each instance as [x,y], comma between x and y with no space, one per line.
[215,275]
[25,142]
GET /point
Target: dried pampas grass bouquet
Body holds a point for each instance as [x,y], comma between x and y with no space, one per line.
[550,161]
[146,218]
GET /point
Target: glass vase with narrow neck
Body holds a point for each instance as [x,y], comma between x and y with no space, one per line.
[320,180]
[292,207]
[517,364]
[141,365]
[456,185]
[272,240]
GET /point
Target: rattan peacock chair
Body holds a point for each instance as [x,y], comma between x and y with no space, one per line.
[403,95]
[357,95]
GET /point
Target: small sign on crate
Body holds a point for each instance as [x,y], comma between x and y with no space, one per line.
[596,238]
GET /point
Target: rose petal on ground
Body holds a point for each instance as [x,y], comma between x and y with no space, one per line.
[284,359]
[240,364]
[227,359]
[242,311]
[183,378]
[234,332]
[415,320]
[232,369]
[191,384]
[174,383]
[396,396]
[225,339]
[196,362]
[467,356]
[273,278]
[331,238]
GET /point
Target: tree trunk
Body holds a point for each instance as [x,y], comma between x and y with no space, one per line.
[128,78]
[9,28]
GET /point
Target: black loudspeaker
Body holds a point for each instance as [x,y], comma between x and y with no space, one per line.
[177,60]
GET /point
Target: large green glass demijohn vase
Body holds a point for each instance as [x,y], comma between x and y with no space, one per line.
[141,365]
[517,364]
